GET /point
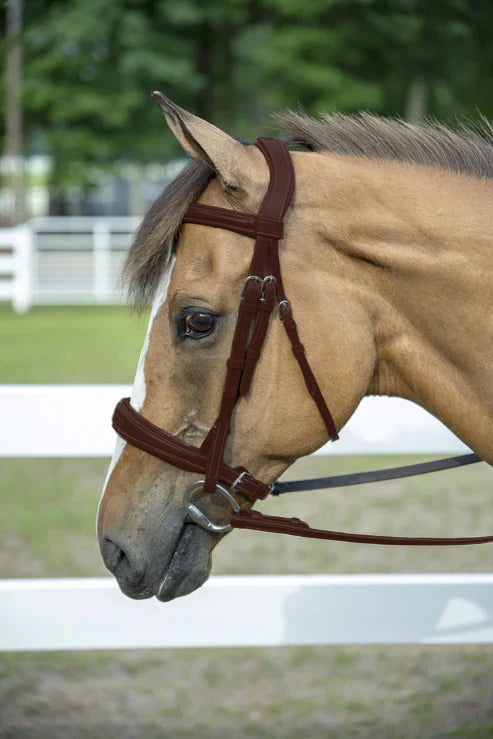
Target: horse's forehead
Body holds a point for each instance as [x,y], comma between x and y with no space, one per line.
[206,252]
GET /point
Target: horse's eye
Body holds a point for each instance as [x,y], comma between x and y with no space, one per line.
[199,324]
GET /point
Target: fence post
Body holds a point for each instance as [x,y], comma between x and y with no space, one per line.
[101,240]
[22,296]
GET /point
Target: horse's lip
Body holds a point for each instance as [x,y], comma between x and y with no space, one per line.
[146,586]
[184,571]
[135,592]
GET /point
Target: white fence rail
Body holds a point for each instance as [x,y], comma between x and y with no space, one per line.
[64,260]
[91,613]
[75,421]
[250,611]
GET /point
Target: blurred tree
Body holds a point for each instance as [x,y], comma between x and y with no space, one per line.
[91,64]
[406,57]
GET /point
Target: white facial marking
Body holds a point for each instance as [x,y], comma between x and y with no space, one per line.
[119,446]
[139,387]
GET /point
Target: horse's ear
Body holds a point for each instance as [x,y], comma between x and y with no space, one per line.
[236,165]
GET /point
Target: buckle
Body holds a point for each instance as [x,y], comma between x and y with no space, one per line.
[286,303]
[238,480]
[268,278]
[249,279]
[244,474]
[271,229]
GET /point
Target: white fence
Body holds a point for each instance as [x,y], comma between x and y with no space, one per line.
[75,421]
[16,258]
[248,611]
[64,260]
[91,613]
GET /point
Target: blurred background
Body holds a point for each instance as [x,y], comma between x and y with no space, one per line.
[81,136]
[85,151]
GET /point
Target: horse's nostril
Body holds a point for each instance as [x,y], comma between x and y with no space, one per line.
[112,554]
[120,563]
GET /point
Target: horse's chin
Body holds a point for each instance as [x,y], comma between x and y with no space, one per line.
[189,566]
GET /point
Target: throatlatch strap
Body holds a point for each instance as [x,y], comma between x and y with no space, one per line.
[273,157]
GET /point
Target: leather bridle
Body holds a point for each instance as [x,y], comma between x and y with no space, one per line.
[262,290]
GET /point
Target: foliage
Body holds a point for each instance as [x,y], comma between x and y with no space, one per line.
[89,66]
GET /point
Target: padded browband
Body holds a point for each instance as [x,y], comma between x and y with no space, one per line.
[242,223]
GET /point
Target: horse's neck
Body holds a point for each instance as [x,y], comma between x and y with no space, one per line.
[423,239]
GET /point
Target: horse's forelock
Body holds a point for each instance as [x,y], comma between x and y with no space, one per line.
[150,254]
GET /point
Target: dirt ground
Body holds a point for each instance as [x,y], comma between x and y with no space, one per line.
[280,692]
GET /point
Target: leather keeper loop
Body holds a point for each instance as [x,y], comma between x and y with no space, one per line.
[285,314]
[234,363]
[272,229]
[252,354]
[246,307]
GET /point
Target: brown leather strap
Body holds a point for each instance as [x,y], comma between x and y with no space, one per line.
[311,384]
[232,220]
[234,368]
[285,306]
[281,183]
[254,349]
[257,521]
[268,225]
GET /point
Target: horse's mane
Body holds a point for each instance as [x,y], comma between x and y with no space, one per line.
[466,148]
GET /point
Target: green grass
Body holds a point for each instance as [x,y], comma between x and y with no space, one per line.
[73,345]
[48,509]
[47,517]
